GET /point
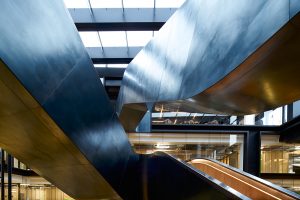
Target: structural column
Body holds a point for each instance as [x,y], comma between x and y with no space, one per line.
[9,173]
[2,175]
[145,126]
[252,152]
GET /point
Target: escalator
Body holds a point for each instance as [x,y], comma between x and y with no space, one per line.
[247,184]
[57,119]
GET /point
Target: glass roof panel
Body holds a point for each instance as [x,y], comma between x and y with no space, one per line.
[113,38]
[90,38]
[117,65]
[76,3]
[139,38]
[100,65]
[169,3]
[106,3]
[138,3]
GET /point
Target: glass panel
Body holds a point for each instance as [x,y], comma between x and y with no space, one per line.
[117,65]
[278,157]
[139,38]
[113,38]
[90,38]
[188,118]
[76,3]
[169,3]
[16,163]
[138,3]
[226,148]
[22,166]
[106,3]
[100,65]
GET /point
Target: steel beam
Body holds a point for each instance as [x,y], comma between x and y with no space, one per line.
[111,60]
[119,26]
[110,72]
[111,19]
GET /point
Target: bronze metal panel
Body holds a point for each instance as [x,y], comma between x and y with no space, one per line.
[254,188]
[32,136]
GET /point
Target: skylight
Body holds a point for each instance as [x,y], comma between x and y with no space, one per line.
[117,65]
[126,3]
[100,65]
[76,3]
[113,38]
[106,3]
[110,65]
[90,38]
[169,3]
[139,38]
[116,38]
[138,3]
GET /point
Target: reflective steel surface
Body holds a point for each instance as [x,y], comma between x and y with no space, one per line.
[56,117]
[29,133]
[42,48]
[210,56]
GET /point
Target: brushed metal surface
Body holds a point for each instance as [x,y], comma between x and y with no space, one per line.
[28,133]
[204,44]
[41,47]
[265,80]
[57,119]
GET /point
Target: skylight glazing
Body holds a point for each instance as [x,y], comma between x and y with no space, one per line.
[117,65]
[90,38]
[126,3]
[110,65]
[116,38]
[76,3]
[138,3]
[100,65]
[106,3]
[113,38]
[169,3]
[139,38]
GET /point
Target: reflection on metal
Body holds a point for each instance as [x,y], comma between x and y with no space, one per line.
[29,133]
[252,187]
[55,115]
[188,180]
[220,57]
[131,116]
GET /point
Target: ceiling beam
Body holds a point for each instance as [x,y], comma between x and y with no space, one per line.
[117,26]
[110,72]
[111,60]
[111,19]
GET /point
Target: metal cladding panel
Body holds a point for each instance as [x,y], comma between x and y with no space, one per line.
[193,184]
[41,46]
[45,58]
[200,45]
